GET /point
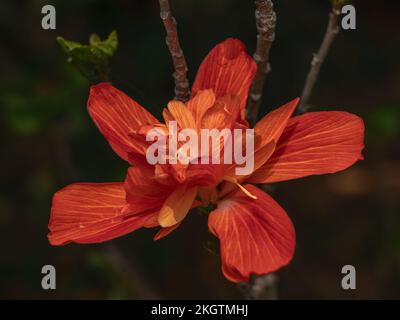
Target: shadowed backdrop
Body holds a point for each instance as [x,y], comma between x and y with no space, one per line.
[48,141]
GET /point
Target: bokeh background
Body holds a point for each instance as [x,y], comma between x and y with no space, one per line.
[48,141]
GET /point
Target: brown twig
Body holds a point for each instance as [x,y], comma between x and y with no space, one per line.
[331,32]
[265,23]
[182,90]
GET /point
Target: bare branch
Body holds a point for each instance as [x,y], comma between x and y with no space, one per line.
[319,58]
[265,23]
[182,89]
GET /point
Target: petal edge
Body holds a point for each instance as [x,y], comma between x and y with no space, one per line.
[256,236]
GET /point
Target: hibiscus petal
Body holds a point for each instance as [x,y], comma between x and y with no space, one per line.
[116,115]
[223,114]
[314,143]
[167,116]
[256,236]
[272,125]
[90,213]
[163,232]
[144,192]
[260,157]
[181,114]
[140,161]
[203,175]
[176,206]
[227,69]
[201,102]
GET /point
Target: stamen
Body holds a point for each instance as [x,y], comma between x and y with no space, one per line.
[244,190]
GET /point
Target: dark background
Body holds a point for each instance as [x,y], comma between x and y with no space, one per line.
[48,141]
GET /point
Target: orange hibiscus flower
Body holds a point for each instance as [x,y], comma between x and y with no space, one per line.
[256,235]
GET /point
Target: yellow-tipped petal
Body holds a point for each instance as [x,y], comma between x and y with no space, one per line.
[176,207]
[181,114]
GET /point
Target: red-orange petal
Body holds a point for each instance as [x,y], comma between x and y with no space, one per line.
[177,206]
[144,191]
[117,115]
[163,232]
[227,69]
[222,115]
[256,236]
[200,103]
[260,157]
[272,125]
[314,143]
[182,115]
[90,213]
[203,175]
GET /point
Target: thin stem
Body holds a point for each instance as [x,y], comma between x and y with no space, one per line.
[265,23]
[331,32]
[261,288]
[182,89]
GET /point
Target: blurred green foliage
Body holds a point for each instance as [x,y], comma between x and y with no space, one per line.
[384,121]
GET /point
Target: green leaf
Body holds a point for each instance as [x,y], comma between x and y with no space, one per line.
[92,60]
[94,39]
[66,45]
